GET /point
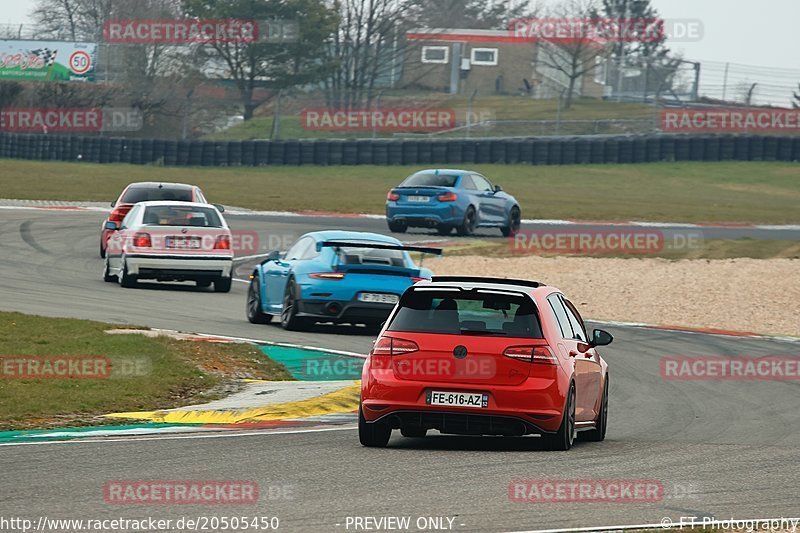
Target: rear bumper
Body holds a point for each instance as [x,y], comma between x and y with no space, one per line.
[462,423]
[345,311]
[536,405]
[179,268]
[424,216]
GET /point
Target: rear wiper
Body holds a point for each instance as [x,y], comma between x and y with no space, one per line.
[481,332]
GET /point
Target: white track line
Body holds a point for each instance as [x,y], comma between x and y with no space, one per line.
[222,434]
[268,343]
[677,329]
[532,221]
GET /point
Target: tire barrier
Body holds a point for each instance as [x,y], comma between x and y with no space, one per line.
[234,154]
[306,152]
[597,149]
[248,153]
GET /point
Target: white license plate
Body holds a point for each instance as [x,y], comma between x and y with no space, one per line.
[373,297]
[419,199]
[457,399]
[183,242]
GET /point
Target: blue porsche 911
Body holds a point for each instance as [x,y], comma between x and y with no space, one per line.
[445,199]
[333,276]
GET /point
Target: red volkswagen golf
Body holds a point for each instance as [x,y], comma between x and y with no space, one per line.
[485,356]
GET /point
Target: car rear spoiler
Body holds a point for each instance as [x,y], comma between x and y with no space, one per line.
[379,246]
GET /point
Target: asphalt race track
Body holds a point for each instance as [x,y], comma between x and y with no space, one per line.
[719,448]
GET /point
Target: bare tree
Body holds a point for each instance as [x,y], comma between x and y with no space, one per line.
[271,66]
[136,75]
[471,14]
[576,56]
[73,20]
[71,95]
[368,46]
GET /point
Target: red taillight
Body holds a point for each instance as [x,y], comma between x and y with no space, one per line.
[327,275]
[118,214]
[448,197]
[223,242]
[533,354]
[142,240]
[392,196]
[392,346]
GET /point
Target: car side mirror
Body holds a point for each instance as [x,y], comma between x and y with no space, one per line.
[114,203]
[498,188]
[601,338]
[111,226]
[274,255]
[220,207]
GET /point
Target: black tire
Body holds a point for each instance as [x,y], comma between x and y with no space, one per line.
[514,221]
[374,435]
[599,433]
[102,250]
[253,308]
[203,283]
[107,277]
[562,440]
[289,319]
[413,433]
[398,227]
[444,229]
[467,227]
[125,280]
[223,284]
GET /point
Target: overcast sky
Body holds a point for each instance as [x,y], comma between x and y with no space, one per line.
[761,33]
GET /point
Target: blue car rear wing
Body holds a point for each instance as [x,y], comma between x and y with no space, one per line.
[378,246]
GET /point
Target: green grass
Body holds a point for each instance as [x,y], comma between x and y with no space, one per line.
[735,192]
[174,372]
[498,108]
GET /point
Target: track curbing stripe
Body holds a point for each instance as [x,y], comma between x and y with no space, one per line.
[341,401]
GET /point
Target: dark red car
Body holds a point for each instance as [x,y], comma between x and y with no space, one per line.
[485,356]
[147,191]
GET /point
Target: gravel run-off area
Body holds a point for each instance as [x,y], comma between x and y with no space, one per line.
[749,295]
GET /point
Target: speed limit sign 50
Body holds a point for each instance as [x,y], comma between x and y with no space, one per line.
[80,62]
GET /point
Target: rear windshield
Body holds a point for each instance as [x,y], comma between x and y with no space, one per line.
[370,256]
[429,179]
[168,215]
[473,312]
[135,195]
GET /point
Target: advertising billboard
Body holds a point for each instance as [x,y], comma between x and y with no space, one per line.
[47,60]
